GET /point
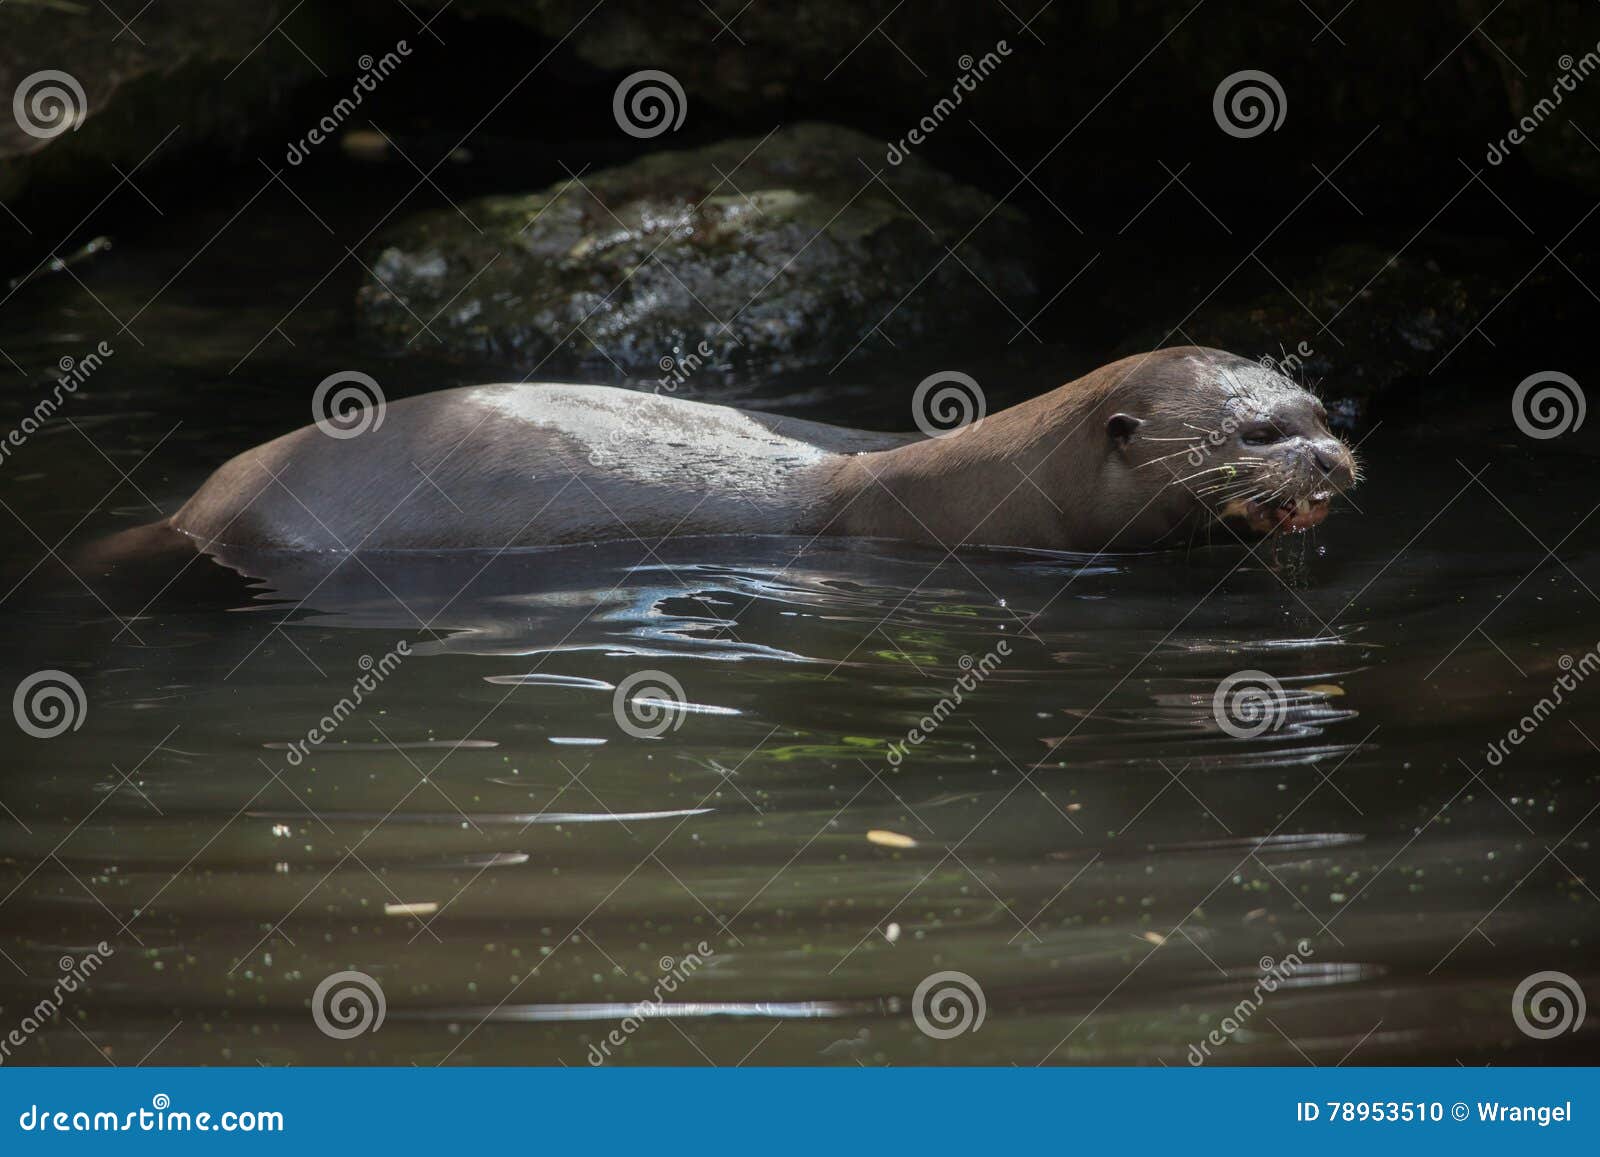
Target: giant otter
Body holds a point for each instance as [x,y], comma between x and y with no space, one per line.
[1140,453]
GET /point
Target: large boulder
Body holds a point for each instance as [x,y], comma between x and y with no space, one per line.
[784,252]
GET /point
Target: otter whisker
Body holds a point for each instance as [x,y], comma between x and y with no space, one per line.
[1230,467]
[1243,487]
[1204,472]
[1261,496]
[1166,457]
[1185,484]
[1223,496]
[1197,476]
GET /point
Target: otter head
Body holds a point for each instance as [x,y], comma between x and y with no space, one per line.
[1223,438]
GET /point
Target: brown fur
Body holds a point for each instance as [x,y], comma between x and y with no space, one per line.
[1101,463]
[1046,473]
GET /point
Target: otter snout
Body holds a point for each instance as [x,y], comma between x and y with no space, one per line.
[1292,482]
[1334,461]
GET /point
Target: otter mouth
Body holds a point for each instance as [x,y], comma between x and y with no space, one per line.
[1290,516]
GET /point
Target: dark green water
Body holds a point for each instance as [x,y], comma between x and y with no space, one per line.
[485,840]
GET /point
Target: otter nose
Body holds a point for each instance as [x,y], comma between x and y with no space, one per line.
[1332,459]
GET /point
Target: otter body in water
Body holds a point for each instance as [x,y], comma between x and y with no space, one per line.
[1136,454]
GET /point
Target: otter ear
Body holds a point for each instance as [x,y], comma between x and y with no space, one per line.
[1120,427]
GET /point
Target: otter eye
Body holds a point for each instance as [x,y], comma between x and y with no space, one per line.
[1260,434]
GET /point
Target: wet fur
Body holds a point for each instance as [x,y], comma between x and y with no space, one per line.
[522,465]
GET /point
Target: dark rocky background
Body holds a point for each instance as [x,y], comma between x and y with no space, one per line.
[1083,198]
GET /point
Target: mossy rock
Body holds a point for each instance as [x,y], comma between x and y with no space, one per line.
[786,252]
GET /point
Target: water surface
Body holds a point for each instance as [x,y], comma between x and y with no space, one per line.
[517,870]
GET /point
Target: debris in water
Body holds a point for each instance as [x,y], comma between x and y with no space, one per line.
[365,145]
[424,908]
[890,839]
